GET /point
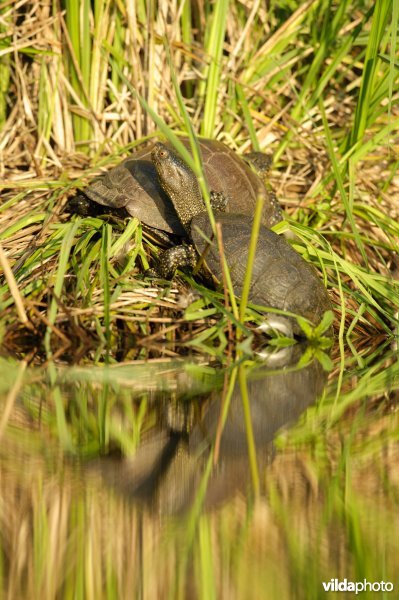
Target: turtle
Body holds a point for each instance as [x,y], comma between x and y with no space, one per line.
[133,187]
[281,278]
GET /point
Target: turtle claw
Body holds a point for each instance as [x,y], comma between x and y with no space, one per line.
[177,257]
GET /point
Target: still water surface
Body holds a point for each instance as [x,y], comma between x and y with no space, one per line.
[168,480]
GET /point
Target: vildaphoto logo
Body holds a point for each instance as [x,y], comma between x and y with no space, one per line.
[335,585]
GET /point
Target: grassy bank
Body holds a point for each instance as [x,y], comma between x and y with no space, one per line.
[314,84]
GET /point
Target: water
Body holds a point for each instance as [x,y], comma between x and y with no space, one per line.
[181,480]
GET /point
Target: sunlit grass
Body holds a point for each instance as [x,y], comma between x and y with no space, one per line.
[299,86]
[314,84]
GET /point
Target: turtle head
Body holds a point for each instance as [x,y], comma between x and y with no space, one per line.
[179,183]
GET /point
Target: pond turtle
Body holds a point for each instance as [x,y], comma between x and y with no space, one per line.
[280,279]
[133,185]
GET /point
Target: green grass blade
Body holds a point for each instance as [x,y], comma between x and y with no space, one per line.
[251,255]
[369,82]
[214,49]
[340,184]
[242,379]
[62,268]
[104,278]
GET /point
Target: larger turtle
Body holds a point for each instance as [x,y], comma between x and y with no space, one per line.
[281,279]
[133,185]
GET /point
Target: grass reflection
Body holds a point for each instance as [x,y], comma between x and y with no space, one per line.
[73,525]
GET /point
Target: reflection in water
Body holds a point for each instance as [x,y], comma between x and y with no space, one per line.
[329,488]
[166,470]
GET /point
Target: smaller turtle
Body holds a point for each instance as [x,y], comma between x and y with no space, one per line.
[281,279]
[132,189]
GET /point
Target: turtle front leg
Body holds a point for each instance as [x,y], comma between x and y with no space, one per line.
[260,162]
[174,258]
[184,256]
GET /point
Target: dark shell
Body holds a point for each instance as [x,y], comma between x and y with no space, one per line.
[133,185]
[280,278]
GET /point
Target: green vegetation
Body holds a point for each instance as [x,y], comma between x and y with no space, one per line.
[316,85]
[104,75]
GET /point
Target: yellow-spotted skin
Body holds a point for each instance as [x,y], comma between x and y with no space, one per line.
[134,186]
[281,279]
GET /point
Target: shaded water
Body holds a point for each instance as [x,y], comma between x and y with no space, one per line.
[174,480]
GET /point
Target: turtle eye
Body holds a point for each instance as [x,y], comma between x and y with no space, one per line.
[162,153]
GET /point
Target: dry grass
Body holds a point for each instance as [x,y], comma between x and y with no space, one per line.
[71,114]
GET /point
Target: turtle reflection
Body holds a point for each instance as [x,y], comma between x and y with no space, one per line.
[165,472]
